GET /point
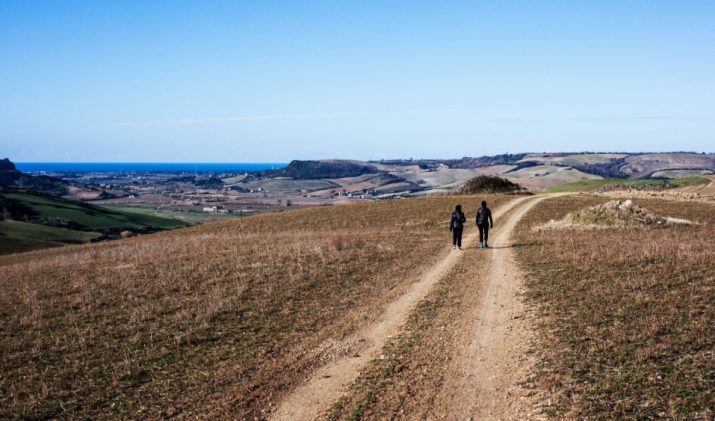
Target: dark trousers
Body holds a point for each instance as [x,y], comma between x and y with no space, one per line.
[483,233]
[457,237]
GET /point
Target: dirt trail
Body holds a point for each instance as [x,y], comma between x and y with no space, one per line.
[710,188]
[484,381]
[703,189]
[314,397]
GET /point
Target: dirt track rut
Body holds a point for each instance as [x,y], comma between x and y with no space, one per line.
[484,367]
[485,380]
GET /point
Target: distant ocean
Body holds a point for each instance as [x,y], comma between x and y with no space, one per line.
[88,167]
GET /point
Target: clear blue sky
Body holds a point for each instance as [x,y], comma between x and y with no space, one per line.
[262,81]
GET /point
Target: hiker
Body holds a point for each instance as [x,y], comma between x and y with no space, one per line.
[484,222]
[456,225]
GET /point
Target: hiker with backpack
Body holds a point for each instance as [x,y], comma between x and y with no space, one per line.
[456,225]
[484,222]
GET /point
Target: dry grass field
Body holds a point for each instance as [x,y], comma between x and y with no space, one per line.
[626,314]
[216,320]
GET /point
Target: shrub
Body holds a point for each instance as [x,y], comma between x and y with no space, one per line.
[490,184]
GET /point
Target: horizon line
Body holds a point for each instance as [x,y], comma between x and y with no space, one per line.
[367,160]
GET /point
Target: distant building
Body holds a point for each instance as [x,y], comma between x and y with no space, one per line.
[216,209]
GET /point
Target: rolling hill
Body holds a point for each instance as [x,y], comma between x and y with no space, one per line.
[31,220]
[534,171]
[11,177]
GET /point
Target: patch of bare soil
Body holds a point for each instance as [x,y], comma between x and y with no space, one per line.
[614,214]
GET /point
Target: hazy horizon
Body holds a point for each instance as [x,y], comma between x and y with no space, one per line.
[344,158]
[276,81]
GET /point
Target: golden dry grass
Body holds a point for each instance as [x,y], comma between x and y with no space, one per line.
[217,320]
[626,313]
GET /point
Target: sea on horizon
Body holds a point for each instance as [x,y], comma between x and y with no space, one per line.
[119,167]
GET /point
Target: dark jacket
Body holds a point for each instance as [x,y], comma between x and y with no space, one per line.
[457,221]
[484,217]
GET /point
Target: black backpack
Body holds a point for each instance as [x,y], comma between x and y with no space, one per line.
[483,216]
[457,221]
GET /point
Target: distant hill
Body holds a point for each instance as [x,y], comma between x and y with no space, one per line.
[653,165]
[461,163]
[32,220]
[533,171]
[313,170]
[11,177]
[623,165]
[8,172]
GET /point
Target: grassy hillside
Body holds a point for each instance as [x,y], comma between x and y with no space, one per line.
[17,236]
[592,185]
[220,319]
[327,169]
[626,315]
[36,221]
[188,217]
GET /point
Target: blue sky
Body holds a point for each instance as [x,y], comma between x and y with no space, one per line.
[263,81]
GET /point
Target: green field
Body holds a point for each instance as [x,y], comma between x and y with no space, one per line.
[89,217]
[17,236]
[189,217]
[591,185]
[41,221]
